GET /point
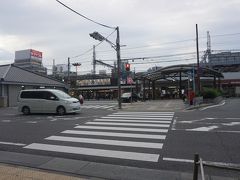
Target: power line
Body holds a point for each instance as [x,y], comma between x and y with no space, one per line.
[152,57]
[156,57]
[174,42]
[163,61]
[231,34]
[84,16]
[149,46]
[171,42]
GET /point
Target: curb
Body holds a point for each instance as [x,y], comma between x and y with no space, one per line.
[218,101]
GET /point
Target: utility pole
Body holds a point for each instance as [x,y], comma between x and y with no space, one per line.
[198,68]
[94,60]
[54,68]
[208,45]
[118,68]
[116,46]
[68,79]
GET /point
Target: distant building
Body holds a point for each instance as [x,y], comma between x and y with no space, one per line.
[60,70]
[31,60]
[224,61]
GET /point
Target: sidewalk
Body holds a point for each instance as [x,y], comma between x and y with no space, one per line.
[155,105]
[50,168]
[14,172]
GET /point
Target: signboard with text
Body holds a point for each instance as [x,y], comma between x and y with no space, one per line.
[28,54]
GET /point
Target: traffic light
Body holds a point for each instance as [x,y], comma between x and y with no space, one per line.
[127,67]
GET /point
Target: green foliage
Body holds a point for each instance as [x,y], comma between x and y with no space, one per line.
[211,93]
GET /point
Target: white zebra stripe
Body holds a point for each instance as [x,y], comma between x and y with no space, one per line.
[123,120]
[107,142]
[96,152]
[108,117]
[113,134]
[128,124]
[123,128]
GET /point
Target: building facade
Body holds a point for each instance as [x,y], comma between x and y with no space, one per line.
[31,60]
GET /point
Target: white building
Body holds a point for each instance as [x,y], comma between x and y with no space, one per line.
[31,60]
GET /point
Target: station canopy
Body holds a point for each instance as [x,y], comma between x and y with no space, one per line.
[175,71]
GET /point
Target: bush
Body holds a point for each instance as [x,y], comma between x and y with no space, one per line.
[211,93]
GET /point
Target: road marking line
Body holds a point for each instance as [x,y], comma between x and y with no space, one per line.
[131,135]
[202,109]
[97,106]
[140,115]
[203,128]
[145,118]
[150,113]
[11,143]
[218,131]
[128,124]
[96,152]
[107,142]
[31,122]
[122,128]
[174,123]
[6,120]
[121,120]
[178,160]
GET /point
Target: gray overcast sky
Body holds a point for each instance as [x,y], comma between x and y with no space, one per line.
[147,28]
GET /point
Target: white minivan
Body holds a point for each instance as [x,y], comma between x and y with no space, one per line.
[47,101]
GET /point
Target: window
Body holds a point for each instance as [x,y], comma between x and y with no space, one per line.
[49,96]
[32,95]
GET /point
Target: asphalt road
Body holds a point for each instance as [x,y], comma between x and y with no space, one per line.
[164,140]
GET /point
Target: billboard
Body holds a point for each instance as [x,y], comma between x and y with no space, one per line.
[28,54]
[61,68]
[35,54]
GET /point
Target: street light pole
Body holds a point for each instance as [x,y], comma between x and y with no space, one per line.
[118,68]
[68,75]
[116,46]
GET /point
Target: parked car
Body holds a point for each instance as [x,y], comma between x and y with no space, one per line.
[47,101]
[129,97]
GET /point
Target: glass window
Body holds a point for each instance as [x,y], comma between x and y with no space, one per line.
[49,96]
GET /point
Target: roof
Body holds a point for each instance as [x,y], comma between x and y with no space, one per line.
[3,70]
[231,75]
[173,71]
[10,74]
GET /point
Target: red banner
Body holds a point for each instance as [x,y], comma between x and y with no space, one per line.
[35,53]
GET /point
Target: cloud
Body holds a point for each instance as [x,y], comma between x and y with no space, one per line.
[59,33]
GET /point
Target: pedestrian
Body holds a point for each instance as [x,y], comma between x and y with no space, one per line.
[184,97]
[81,99]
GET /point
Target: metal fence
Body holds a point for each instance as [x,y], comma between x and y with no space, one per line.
[199,163]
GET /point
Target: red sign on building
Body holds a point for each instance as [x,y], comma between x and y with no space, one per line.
[35,53]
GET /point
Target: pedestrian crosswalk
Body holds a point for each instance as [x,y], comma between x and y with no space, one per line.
[107,107]
[137,136]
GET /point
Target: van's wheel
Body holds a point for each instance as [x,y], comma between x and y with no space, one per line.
[61,110]
[26,110]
